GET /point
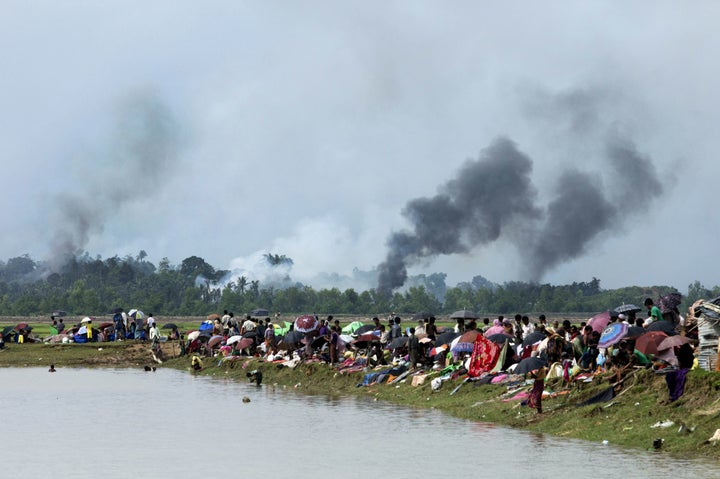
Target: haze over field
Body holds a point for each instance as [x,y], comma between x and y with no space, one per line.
[519,141]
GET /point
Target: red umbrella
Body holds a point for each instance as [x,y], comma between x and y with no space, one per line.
[648,343]
[306,323]
[600,321]
[21,326]
[105,325]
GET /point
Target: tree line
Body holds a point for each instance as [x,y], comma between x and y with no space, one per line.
[94,286]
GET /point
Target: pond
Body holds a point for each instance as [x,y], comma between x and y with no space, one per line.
[120,423]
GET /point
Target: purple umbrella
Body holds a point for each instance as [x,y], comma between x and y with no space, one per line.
[613,334]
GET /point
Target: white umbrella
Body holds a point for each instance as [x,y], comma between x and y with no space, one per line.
[346,338]
[82,330]
[86,319]
[193,335]
[232,339]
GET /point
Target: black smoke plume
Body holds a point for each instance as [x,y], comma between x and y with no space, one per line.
[486,196]
[132,165]
[495,192]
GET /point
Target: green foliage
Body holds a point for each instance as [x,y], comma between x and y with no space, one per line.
[93,286]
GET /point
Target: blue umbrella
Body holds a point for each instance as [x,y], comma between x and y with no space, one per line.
[612,334]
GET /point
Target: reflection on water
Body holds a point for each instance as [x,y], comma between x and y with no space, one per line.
[124,423]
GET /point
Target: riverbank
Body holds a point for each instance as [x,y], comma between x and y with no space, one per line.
[626,420]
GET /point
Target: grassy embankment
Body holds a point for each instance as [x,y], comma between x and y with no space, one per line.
[625,421]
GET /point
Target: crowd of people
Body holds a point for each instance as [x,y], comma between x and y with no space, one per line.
[573,349]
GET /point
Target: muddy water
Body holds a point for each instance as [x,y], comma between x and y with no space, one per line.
[128,423]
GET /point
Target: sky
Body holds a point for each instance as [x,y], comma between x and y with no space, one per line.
[313,129]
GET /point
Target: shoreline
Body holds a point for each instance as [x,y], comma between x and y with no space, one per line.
[623,421]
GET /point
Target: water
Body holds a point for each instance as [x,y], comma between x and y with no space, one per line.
[128,423]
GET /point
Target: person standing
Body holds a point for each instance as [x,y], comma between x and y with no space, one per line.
[413,348]
[155,341]
[654,312]
[139,326]
[60,326]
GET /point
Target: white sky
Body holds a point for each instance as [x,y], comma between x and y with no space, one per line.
[306,126]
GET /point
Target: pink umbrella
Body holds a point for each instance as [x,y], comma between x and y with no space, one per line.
[600,321]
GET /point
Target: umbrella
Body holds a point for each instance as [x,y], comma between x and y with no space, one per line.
[193,335]
[648,343]
[21,326]
[499,338]
[7,330]
[529,364]
[213,317]
[215,340]
[319,341]
[613,334]
[628,308]
[170,326]
[635,331]
[244,343]
[364,340]
[465,343]
[106,324]
[600,321]
[398,342]
[464,314]
[532,338]
[114,311]
[250,334]
[446,338]
[233,339]
[364,329]
[293,337]
[82,330]
[86,319]
[669,302]
[672,341]
[136,313]
[666,327]
[306,323]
